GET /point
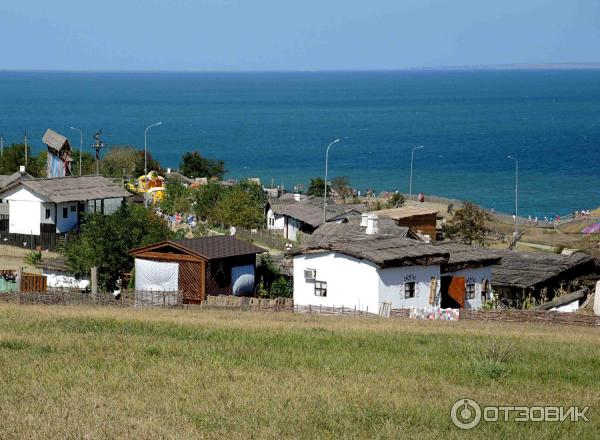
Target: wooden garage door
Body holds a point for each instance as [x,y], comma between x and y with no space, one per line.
[191,280]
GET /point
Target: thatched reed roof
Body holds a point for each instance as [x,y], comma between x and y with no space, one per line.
[531,270]
[465,256]
[382,250]
[71,189]
[309,209]
[54,140]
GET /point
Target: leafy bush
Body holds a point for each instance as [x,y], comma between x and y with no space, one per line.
[34,258]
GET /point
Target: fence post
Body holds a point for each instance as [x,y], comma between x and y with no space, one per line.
[94,281]
[19,278]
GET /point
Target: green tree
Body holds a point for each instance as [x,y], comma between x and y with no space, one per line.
[104,242]
[177,198]
[122,161]
[242,205]
[395,201]
[205,198]
[316,187]
[467,225]
[341,185]
[88,163]
[193,165]
[14,156]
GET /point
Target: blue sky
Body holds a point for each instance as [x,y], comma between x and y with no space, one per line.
[294,35]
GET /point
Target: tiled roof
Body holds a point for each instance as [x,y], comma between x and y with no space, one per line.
[219,246]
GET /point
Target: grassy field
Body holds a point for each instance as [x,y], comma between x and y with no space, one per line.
[108,373]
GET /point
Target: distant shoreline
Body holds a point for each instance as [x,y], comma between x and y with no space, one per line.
[482,67]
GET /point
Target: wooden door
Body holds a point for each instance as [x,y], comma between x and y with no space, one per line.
[191,281]
[453,292]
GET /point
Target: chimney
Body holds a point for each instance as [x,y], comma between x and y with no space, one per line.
[22,169]
[297,197]
[363,220]
[372,224]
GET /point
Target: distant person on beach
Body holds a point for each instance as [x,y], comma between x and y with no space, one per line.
[514,218]
[545,219]
[421,197]
[535,220]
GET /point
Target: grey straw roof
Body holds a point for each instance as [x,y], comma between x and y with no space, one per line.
[528,270]
[10,179]
[382,250]
[54,140]
[464,255]
[309,209]
[72,189]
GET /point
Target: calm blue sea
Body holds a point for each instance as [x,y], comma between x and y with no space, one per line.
[276,126]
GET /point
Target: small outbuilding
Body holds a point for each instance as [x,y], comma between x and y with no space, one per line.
[218,265]
[60,154]
[420,220]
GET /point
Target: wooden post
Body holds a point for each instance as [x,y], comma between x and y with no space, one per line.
[19,278]
[94,281]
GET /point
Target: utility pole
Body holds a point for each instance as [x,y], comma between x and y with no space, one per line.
[412,159]
[1,145]
[98,145]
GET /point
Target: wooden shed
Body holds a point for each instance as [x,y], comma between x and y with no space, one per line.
[218,265]
[419,219]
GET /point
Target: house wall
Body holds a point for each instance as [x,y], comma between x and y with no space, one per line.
[275,221]
[392,281]
[292,227]
[475,275]
[65,224]
[24,212]
[350,282]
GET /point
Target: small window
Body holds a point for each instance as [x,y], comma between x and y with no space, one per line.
[409,289]
[320,288]
[470,290]
[65,213]
[73,208]
[47,214]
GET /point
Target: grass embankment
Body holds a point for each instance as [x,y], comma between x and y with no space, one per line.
[107,373]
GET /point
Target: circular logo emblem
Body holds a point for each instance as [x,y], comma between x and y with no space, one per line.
[465,414]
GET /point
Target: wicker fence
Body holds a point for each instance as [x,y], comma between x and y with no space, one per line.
[69,297]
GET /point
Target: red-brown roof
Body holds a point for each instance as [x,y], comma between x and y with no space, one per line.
[219,246]
[209,248]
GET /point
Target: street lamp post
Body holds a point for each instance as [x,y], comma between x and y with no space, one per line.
[516,197]
[325,193]
[412,158]
[146,160]
[80,146]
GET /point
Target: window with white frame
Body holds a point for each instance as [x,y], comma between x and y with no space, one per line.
[320,288]
[410,289]
[470,290]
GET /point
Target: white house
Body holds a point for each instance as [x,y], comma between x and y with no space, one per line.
[294,213]
[54,205]
[362,268]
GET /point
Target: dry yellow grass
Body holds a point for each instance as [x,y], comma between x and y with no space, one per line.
[112,373]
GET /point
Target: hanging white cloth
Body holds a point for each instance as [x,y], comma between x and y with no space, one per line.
[156,275]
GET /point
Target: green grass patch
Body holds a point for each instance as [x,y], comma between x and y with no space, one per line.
[109,373]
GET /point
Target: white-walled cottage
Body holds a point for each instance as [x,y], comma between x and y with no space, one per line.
[295,213]
[54,205]
[362,268]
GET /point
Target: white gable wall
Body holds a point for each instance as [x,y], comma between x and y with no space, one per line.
[350,282]
[392,281]
[24,209]
[476,276]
